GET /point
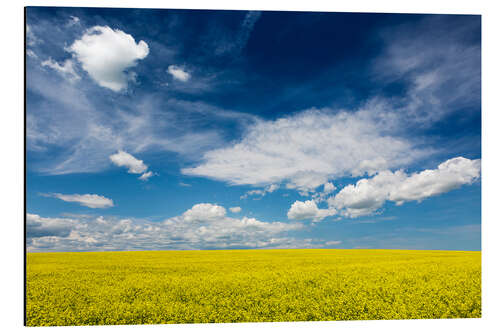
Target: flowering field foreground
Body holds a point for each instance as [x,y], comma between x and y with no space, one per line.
[154,287]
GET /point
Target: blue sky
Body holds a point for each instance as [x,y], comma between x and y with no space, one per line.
[182,129]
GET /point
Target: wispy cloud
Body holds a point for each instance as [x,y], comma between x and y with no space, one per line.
[76,126]
[31,38]
[374,220]
[333,243]
[307,149]
[146,175]
[88,200]
[260,193]
[31,53]
[233,43]
[247,26]
[78,121]
[67,69]
[441,65]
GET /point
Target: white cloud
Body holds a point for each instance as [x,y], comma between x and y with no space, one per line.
[444,67]
[308,210]
[67,69]
[107,54]
[31,38]
[145,176]
[328,188]
[235,209]
[124,159]
[234,41]
[88,200]
[37,226]
[246,29]
[31,53]
[269,189]
[253,192]
[449,175]
[308,149]
[178,73]
[306,182]
[204,212]
[203,226]
[145,123]
[333,243]
[206,225]
[368,195]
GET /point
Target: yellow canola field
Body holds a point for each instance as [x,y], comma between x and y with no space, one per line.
[154,287]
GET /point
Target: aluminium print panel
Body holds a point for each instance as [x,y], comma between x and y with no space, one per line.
[214,166]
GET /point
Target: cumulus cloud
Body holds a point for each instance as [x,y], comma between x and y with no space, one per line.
[307,149]
[308,210]
[88,200]
[204,212]
[178,73]
[107,55]
[67,69]
[37,226]
[124,159]
[449,175]
[328,188]
[369,194]
[235,209]
[203,226]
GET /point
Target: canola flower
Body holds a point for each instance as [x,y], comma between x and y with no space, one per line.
[157,287]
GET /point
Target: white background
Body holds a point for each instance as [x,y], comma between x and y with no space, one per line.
[11,162]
